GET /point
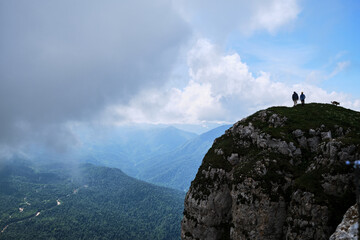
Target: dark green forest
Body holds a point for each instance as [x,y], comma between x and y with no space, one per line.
[84,202]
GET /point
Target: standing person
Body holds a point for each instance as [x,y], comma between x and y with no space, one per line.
[302,98]
[295,98]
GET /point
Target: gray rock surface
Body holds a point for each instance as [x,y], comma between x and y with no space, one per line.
[252,185]
[348,228]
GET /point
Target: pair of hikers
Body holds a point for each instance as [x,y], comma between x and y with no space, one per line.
[295,98]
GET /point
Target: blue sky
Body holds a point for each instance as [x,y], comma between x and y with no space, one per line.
[244,56]
[193,64]
[324,33]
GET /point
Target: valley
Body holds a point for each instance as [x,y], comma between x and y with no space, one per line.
[96,203]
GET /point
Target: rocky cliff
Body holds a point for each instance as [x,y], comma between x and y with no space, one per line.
[278,174]
[348,228]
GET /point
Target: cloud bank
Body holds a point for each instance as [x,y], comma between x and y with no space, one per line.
[221,88]
[66,60]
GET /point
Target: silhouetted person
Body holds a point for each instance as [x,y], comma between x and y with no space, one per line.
[295,98]
[302,98]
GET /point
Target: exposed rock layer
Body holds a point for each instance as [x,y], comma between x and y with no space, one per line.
[269,177]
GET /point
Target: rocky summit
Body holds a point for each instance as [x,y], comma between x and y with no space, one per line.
[280,173]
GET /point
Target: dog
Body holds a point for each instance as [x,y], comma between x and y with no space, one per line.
[335,103]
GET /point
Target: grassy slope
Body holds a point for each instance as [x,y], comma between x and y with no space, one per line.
[312,116]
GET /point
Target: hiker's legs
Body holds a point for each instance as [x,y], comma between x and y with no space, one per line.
[302,102]
[295,102]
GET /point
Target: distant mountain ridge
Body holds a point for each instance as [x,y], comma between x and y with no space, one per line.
[177,168]
[125,146]
[165,156]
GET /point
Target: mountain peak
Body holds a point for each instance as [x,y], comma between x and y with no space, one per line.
[277,174]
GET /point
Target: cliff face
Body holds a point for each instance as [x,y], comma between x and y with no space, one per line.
[278,174]
[348,228]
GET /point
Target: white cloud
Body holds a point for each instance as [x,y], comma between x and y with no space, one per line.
[191,105]
[272,15]
[220,89]
[213,18]
[340,66]
[229,76]
[317,76]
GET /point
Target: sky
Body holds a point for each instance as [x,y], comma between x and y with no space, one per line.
[195,64]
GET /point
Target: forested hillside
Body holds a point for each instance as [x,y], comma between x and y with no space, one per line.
[86,202]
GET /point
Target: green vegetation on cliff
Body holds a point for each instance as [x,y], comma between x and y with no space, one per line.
[311,116]
[285,150]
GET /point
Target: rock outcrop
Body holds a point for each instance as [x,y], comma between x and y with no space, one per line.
[348,228]
[278,174]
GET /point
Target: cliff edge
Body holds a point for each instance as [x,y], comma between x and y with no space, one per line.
[278,174]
